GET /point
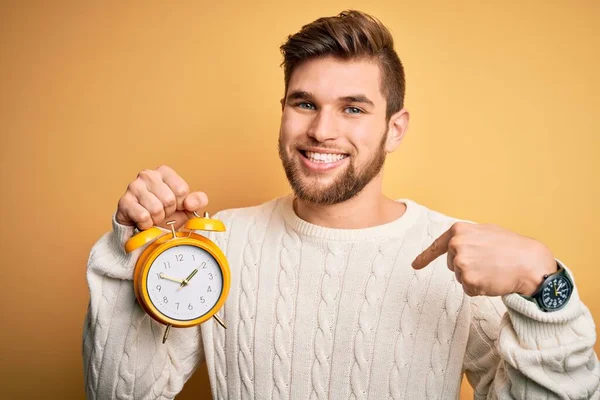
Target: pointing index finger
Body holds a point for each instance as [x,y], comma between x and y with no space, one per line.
[436,249]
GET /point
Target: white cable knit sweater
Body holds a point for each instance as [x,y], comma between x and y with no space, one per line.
[320,313]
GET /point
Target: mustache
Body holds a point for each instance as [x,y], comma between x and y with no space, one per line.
[322,145]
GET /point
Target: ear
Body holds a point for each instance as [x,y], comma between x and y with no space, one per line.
[397,127]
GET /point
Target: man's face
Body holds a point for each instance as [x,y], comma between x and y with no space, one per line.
[333,129]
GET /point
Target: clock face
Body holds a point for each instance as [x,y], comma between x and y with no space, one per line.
[184,282]
[556,293]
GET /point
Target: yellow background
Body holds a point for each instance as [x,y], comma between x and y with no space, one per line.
[504,100]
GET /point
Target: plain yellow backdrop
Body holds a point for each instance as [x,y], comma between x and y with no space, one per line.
[504,100]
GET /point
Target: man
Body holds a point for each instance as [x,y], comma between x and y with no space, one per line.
[337,291]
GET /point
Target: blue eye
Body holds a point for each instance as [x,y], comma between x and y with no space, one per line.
[353,110]
[306,106]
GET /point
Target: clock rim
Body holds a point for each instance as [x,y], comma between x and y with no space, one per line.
[158,247]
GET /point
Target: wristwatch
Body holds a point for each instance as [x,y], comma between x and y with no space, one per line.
[554,292]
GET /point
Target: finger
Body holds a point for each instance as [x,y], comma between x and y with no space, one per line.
[165,195]
[450,260]
[121,215]
[195,201]
[131,213]
[180,218]
[458,275]
[437,248]
[178,186]
[140,216]
[154,206]
[452,267]
[469,291]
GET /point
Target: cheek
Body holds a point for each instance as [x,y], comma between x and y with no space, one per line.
[293,128]
[365,138]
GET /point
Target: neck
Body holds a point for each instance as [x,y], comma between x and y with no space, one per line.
[368,208]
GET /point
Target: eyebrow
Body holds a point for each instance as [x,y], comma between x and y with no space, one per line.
[299,95]
[356,98]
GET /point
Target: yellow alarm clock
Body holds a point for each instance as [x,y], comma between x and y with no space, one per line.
[182,278]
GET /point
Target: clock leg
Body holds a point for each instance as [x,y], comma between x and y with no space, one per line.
[166,335]
[220,321]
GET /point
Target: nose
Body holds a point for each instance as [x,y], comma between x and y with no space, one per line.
[323,127]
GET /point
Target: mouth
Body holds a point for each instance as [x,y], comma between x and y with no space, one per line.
[322,160]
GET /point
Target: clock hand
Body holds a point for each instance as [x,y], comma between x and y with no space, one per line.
[555,291]
[190,276]
[167,277]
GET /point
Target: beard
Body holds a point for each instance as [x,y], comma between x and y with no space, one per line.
[345,186]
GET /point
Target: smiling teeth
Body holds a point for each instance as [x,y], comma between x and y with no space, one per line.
[324,157]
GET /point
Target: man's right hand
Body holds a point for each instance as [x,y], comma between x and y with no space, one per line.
[157,196]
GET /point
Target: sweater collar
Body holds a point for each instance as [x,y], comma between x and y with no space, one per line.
[396,228]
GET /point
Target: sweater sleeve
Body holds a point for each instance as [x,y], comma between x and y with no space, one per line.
[123,353]
[517,351]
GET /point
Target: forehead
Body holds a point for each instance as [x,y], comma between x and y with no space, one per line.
[330,78]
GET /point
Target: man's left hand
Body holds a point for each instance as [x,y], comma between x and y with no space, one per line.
[489,260]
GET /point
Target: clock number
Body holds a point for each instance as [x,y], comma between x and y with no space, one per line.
[158,287]
[203,265]
[190,306]
[202,299]
[167,264]
[209,290]
[165,300]
[210,276]
[177,305]
[193,257]
[179,257]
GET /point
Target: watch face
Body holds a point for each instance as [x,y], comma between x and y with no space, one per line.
[184,282]
[556,293]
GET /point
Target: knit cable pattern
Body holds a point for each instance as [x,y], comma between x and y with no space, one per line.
[488,332]
[411,306]
[443,337]
[219,333]
[125,383]
[99,326]
[248,297]
[364,340]
[219,337]
[101,315]
[326,321]
[287,293]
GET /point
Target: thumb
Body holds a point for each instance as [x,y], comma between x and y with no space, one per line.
[192,202]
[195,201]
